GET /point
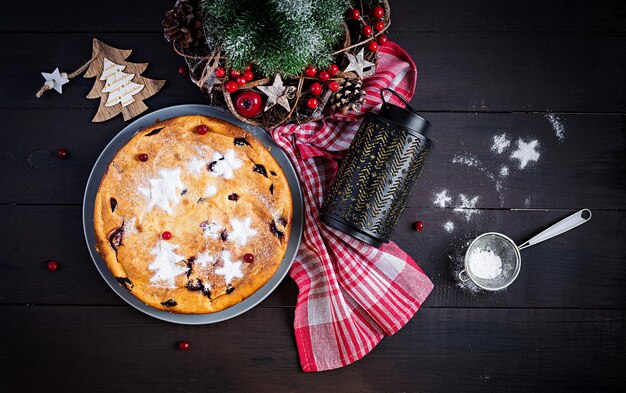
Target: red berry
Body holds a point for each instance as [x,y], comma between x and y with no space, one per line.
[248,258]
[241,80]
[249,75]
[367,31]
[53,266]
[248,67]
[355,14]
[143,157]
[220,72]
[235,73]
[382,39]
[248,103]
[202,129]
[332,69]
[182,70]
[312,103]
[62,153]
[231,86]
[315,89]
[379,25]
[310,71]
[324,76]
[373,46]
[378,12]
[333,86]
[184,345]
[419,226]
[166,235]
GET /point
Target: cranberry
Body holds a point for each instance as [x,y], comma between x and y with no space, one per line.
[332,69]
[248,258]
[184,345]
[220,72]
[182,70]
[367,31]
[373,46]
[241,80]
[312,103]
[231,86]
[143,157]
[333,86]
[355,14]
[379,26]
[235,73]
[62,153]
[310,71]
[378,12]
[382,39]
[315,88]
[53,266]
[324,76]
[419,226]
[166,235]
[202,129]
[249,75]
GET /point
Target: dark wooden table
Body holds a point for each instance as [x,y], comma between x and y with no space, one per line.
[485,67]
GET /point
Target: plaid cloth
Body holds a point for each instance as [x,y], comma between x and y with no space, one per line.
[350,294]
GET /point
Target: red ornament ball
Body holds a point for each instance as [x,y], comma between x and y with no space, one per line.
[355,14]
[379,25]
[310,71]
[235,73]
[184,345]
[315,88]
[248,103]
[62,153]
[324,76]
[333,86]
[373,46]
[202,129]
[143,157]
[382,39]
[367,31]
[220,72]
[419,226]
[53,266]
[241,80]
[312,103]
[248,258]
[182,70]
[378,12]
[332,69]
[231,86]
[166,235]
[249,75]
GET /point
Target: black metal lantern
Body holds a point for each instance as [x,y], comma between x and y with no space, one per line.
[373,183]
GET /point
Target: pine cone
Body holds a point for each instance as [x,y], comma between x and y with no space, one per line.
[183,25]
[349,97]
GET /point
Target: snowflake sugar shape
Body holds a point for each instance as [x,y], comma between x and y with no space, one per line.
[526,152]
[226,165]
[166,264]
[205,260]
[164,192]
[195,166]
[211,229]
[241,230]
[230,269]
[442,199]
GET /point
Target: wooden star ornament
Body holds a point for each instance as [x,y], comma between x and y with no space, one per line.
[277,93]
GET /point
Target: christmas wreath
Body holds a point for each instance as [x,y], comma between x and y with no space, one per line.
[271,62]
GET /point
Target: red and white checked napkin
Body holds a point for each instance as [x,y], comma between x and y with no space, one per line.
[351,294]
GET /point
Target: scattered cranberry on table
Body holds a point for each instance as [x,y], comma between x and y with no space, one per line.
[182,70]
[184,345]
[143,157]
[62,153]
[202,129]
[53,266]
[166,235]
[419,226]
[248,258]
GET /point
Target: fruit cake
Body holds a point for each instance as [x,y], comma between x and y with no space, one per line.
[193,215]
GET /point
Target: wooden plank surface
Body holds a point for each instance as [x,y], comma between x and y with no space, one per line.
[445,350]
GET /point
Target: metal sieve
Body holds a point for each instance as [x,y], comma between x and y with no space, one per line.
[509,252]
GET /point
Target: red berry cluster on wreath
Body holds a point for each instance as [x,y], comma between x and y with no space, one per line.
[316,88]
[373,23]
[237,78]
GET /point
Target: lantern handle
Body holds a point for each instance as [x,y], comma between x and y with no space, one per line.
[385,102]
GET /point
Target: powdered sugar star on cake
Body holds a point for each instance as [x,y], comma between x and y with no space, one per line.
[226,165]
[230,269]
[205,259]
[196,165]
[241,230]
[164,192]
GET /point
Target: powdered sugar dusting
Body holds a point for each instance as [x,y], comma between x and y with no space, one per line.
[467,206]
[504,171]
[526,152]
[205,259]
[226,165]
[468,160]
[196,165]
[449,226]
[442,199]
[241,230]
[130,226]
[229,269]
[500,143]
[164,192]
[557,125]
[166,264]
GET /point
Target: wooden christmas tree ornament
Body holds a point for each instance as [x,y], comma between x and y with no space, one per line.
[119,83]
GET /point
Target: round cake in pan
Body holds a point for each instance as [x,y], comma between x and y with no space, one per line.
[193,215]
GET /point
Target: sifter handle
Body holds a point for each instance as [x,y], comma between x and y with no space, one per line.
[395,93]
[560,227]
